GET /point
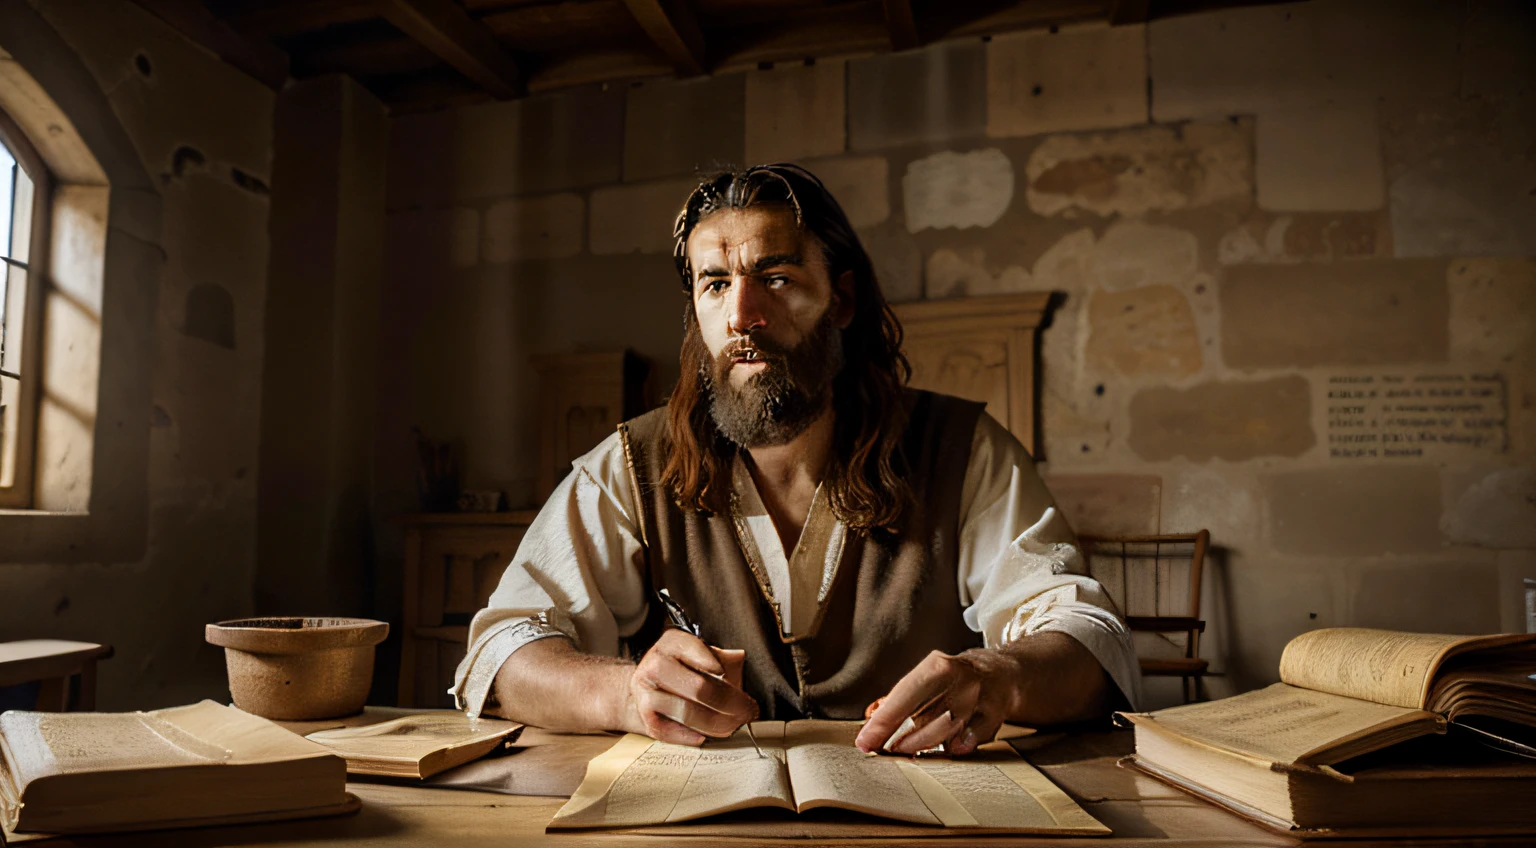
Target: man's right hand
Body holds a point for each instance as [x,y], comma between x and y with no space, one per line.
[684,690]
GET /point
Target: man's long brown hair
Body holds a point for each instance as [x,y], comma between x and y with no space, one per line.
[865,479]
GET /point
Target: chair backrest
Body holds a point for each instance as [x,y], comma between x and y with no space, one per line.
[1149,576]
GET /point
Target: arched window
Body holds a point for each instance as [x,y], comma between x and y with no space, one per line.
[24,194]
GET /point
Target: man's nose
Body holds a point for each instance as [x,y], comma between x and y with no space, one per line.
[747,310]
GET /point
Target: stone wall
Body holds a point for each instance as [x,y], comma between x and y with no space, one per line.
[203,132]
[1293,245]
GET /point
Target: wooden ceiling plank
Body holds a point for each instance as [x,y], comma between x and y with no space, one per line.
[901,23]
[442,27]
[257,57]
[672,26]
[288,18]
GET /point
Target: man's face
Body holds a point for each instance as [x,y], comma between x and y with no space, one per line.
[770,316]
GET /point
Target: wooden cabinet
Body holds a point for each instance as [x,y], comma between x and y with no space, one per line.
[979,348]
[453,562]
[583,397]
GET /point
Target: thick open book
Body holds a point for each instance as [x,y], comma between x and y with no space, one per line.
[179,767]
[416,745]
[814,764]
[1351,739]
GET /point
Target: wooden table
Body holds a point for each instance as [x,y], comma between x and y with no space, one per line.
[1141,811]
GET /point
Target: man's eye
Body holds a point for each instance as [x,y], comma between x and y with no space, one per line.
[716,286]
[777,282]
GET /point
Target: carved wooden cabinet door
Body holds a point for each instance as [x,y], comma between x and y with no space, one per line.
[979,348]
[583,397]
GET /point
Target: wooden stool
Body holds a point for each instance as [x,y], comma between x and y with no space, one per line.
[52,662]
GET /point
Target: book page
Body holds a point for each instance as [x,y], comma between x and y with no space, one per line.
[826,770]
[640,781]
[1283,724]
[993,789]
[1374,665]
[42,744]
[410,739]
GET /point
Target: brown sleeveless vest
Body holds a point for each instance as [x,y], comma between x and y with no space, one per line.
[891,603]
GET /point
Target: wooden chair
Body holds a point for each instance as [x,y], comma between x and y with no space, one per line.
[53,663]
[1156,582]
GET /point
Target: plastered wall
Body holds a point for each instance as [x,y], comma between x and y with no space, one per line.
[1294,246]
[204,134]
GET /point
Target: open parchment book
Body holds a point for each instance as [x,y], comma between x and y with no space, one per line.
[200,764]
[416,745]
[1309,752]
[813,764]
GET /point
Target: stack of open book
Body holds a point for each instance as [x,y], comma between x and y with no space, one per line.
[1355,738]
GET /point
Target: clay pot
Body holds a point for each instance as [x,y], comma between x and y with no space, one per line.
[297,669]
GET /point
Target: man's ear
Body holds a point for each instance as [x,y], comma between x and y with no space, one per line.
[842,300]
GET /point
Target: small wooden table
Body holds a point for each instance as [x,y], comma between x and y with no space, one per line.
[1141,811]
[52,662]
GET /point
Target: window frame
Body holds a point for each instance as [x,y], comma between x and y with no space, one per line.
[19,494]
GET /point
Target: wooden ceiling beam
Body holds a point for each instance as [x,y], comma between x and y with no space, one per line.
[1129,12]
[901,23]
[259,58]
[673,28]
[444,28]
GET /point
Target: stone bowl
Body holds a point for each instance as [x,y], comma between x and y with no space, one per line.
[293,668]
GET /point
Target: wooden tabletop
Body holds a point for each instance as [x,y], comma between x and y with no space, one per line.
[1141,811]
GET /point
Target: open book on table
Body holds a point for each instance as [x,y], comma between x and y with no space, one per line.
[416,746]
[1352,736]
[180,767]
[814,764]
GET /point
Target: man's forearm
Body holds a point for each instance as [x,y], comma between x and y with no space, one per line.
[550,684]
[1057,680]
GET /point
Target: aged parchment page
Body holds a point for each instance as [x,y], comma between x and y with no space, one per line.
[640,781]
[1286,724]
[828,771]
[991,789]
[1376,665]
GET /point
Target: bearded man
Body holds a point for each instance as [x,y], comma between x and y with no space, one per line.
[838,537]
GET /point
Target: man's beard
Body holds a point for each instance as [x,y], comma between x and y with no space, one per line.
[782,400]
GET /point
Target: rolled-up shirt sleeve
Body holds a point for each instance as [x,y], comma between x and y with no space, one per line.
[577,575]
[1021,567]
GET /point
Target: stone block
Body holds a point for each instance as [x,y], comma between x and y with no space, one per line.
[1356,313]
[861,184]
[1248,60]
[680,128]
[898,262]
[1324,236]
[795,111]
[187,99]
[1491,508]
[637,218]
[1145,332]
[951,274]
[1460,175]
[1362,510]
[1223,500]
[1493,309]
[1078,78]
[923,96]
[464,238]
[1132,253]
[1068,265]
[1226,420]
[548,227]
[957,190]
[1136,171]
[1319,157]
[541,144]
[1109,504]
[1458,597]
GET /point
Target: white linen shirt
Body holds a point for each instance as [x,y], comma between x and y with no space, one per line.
[579,571]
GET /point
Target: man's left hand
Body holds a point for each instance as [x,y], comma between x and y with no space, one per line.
[957,700]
